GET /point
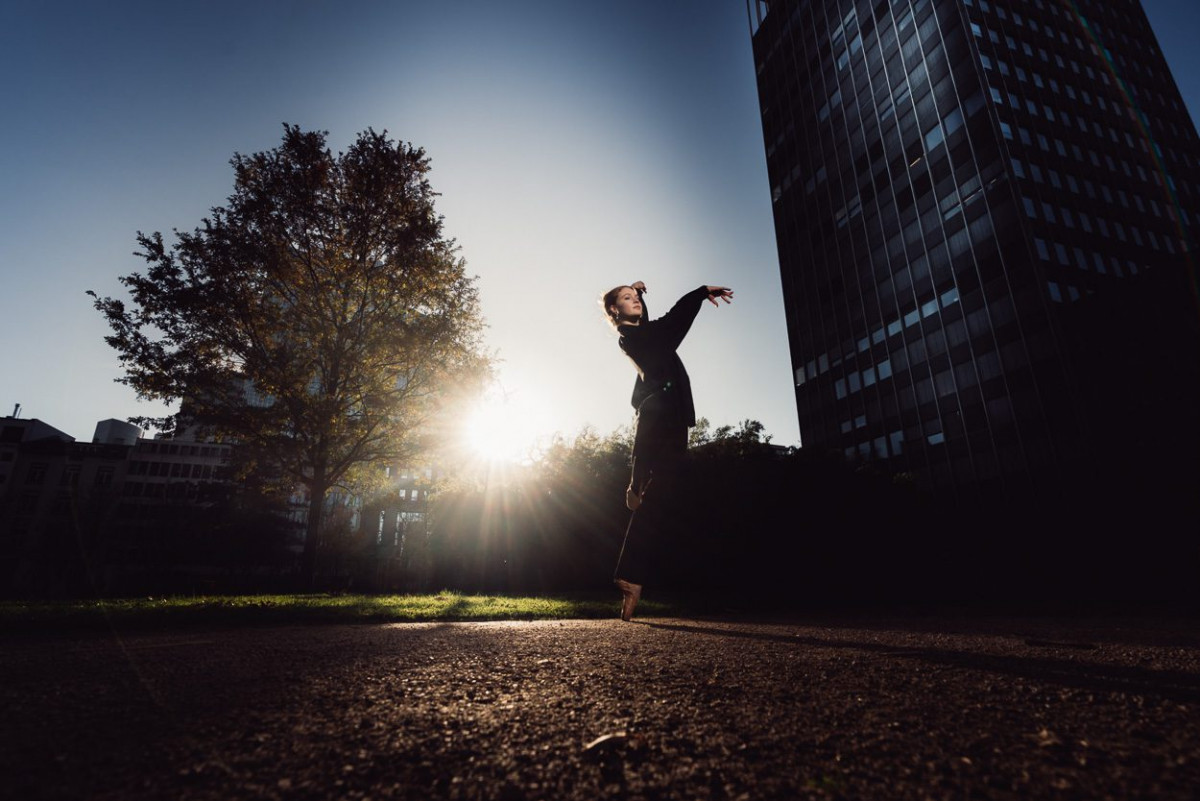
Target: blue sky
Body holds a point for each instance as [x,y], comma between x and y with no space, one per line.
[576,146]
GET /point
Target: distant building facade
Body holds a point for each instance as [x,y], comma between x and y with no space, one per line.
[74,514]
[124,510]
[396,525]
[986,217]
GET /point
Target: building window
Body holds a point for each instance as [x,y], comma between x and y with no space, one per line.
[70,476]
[1080,258]
[880,444]
[37,473]
[934,136]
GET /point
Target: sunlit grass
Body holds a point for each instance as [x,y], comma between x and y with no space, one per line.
[445,606]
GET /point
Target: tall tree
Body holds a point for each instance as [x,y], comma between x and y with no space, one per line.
[321,318]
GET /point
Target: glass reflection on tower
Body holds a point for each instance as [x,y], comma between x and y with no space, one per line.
[970,197]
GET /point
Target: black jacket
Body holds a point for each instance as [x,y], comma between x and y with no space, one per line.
[651,347]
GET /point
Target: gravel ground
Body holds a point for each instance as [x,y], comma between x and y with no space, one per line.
[922,707]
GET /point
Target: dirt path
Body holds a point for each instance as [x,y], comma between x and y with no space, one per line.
[868,708]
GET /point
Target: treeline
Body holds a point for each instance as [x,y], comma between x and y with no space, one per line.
[751,524]
[755,523]
[750,518]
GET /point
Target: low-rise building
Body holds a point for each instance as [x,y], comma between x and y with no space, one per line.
[76,516]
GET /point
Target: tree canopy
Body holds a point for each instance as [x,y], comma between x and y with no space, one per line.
[321,317]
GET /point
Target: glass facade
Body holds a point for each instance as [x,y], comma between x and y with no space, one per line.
[954,184]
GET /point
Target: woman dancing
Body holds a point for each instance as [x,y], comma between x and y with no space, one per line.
[662,396]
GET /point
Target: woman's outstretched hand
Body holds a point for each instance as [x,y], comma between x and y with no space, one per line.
[639,286]
[722,292]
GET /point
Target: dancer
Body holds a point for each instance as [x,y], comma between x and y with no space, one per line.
[662,396]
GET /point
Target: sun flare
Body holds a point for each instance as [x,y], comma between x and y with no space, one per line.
[503,431]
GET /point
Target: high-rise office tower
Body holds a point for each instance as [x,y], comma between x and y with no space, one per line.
[986,212]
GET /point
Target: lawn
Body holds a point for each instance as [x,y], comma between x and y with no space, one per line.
[223,610]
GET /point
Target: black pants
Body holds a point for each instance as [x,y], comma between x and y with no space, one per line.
[648,529]
[659,436]
[659,445]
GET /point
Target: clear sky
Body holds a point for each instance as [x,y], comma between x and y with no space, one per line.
[576,145]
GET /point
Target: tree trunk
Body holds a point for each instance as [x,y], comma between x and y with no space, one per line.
[312,530]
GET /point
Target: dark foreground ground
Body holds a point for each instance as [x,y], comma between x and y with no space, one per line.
[942,707]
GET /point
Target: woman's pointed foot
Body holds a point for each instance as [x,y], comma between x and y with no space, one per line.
[632,593]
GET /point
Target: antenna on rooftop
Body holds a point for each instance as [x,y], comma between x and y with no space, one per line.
[17,410]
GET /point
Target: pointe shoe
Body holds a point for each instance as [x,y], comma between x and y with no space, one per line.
[632,594]
[626,590]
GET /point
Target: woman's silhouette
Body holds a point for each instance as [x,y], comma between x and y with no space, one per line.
[662,397]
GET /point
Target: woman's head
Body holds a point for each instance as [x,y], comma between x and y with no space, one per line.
[621,304]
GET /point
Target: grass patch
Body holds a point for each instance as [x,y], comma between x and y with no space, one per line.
[227,610]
